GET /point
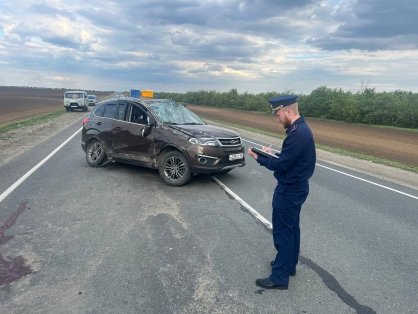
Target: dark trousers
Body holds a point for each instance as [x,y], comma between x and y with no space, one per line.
[287,203]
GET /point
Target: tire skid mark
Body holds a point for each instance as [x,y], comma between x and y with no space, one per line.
[12,269]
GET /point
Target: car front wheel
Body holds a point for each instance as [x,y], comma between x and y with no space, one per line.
[174,169]
[95,153]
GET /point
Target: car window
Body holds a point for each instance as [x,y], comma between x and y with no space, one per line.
[110,111]
[74,95]
[99,111]
[122,110]
[138,115]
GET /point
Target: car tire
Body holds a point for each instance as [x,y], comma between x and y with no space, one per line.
[95,153]
[174,168]
[67,109]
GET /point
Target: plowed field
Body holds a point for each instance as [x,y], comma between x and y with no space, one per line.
[389,143]
[22,102]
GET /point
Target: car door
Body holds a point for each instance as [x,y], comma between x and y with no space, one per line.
[129,143]
[103,120]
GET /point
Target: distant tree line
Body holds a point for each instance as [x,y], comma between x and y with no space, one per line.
[398,108]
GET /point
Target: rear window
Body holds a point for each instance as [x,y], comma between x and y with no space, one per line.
[110,111]
[99,111]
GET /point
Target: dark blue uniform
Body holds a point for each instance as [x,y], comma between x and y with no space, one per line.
[293,168]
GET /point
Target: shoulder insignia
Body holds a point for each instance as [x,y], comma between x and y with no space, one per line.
[294,127]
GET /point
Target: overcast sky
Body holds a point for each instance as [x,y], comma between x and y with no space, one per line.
[188,45]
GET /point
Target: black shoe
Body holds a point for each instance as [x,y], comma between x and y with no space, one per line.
[266,283]
[293,273]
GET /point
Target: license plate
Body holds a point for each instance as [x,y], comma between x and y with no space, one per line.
[236,156]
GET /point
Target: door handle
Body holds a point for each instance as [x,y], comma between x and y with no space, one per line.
[98,123]
[118,128]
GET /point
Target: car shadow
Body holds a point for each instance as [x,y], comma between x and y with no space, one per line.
[152,173]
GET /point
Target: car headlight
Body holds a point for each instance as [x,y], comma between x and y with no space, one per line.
[204,141]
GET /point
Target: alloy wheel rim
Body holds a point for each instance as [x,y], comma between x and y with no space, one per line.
[174,168]
[95,151]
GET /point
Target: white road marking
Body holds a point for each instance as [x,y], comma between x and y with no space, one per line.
[252,211]
[31,171]
[370,182]
[352,176]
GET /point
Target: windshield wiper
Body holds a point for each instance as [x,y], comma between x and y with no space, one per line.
[192,123]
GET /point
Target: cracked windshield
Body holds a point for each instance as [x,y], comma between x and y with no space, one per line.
[174,113]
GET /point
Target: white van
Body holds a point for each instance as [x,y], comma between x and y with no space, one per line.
[76,100]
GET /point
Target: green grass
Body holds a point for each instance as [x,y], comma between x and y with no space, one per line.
[330,149]
[5,127]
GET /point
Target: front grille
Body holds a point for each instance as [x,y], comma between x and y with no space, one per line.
[234,141]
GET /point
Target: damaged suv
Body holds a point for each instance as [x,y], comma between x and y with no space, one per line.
[159,134]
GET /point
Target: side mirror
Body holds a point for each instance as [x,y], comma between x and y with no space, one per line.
[150,121]
[150,124]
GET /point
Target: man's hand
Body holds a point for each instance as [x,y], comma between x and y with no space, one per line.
[267,150]
[251,153]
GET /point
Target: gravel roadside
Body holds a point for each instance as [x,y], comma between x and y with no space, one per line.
[17,141]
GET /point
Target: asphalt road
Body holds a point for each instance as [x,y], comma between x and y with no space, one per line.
[75,239]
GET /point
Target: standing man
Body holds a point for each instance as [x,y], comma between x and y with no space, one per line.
[292,169]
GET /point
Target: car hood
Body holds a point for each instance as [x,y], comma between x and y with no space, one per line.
[204,130]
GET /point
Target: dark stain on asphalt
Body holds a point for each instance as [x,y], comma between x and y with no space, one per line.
[332,284]
[12,268]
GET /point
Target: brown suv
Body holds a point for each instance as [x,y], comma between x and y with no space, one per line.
[159,134]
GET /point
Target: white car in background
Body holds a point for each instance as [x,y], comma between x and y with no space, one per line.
[75,100]
[92,100]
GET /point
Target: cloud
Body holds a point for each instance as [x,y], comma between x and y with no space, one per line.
[254,45]
[374,25]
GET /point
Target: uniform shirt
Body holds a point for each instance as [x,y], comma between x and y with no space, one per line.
[296,161]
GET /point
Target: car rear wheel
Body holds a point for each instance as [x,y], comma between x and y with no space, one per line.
[174,169]
[95,153]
